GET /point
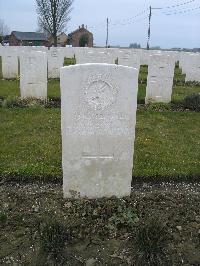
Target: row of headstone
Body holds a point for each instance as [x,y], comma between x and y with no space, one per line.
[129,57]
[160,65]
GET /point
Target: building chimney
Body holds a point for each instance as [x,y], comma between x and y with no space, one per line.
[83,26]
[79,27]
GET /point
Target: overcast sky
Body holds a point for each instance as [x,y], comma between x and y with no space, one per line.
[180,29]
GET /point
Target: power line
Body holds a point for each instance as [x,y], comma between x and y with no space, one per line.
[181,4]
[120,22]
[181,11]
[131,18]
[129,23]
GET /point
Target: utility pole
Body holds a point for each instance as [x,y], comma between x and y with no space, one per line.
[149,30]
[107,34]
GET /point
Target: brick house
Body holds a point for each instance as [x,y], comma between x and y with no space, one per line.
[18,38]
[61,40]
[80,37]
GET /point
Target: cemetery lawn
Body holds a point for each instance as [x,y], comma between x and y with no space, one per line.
[10,89]
[166,147]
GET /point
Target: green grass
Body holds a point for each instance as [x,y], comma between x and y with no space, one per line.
[53,88]
[180,92]
[167,144]
[178,76]
[69,61]
[1,68]
[30,142]
[9,88]
[143,73]
[141,93]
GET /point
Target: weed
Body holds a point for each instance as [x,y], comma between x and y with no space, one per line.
[53,237]
[3,217]
[124,216]
[15,101]
[151,241]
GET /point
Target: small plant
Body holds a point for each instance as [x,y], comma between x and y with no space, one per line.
[11,102]
[123,217]
[151,241]
[192,102]
[3,218]
[158,107]
[53,237]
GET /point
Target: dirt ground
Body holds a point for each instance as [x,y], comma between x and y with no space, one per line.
[102,232]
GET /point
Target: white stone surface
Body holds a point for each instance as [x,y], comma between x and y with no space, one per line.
[128,57]
[94,55]
[9,63]
[160,79]
[68,52]
[98,112]
[33,75]
[55,62]
[192,68]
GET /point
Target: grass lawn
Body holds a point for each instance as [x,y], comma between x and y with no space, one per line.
[0,68]
[167,144]
[180,92]
[10,88]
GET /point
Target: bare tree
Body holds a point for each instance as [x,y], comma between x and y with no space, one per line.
[53,15]
[4,29]
[42,30]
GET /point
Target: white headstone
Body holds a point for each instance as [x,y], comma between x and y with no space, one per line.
[193,68]
[129,58]
[89,55]
[55,62]
[68,52]
[33,75]
[99,104]
[160,79]
[9,63]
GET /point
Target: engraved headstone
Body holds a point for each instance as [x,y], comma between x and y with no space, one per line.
[9,63]
[33,75]
[193,68]
[99,104]
[68,52]
[160,78]
[89,55]
[129,58]
[55,62]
